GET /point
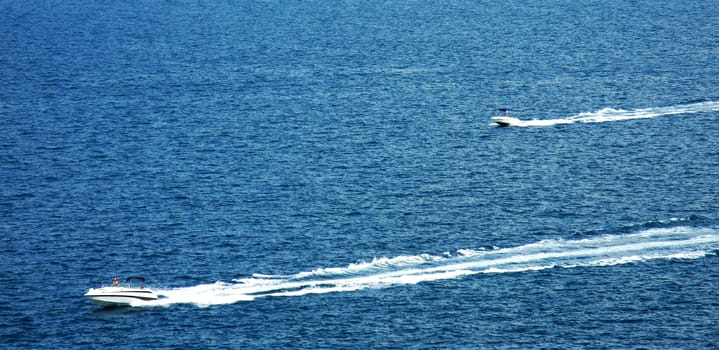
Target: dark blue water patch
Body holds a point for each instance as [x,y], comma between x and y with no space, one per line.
[194,143]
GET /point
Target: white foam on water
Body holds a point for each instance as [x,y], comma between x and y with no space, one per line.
[614,115]
[607,250]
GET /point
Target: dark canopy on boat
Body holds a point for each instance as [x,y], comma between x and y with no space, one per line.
[503,112]
[142,279]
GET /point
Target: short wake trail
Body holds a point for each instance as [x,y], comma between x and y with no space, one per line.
[613,115]
[607,250]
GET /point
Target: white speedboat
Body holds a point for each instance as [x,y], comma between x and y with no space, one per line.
[504,119]
[119,295]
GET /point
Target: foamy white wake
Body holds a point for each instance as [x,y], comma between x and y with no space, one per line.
[607,250]
[613,115]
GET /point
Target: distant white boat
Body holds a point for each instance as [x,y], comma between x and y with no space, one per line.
[118,295]
[504,119]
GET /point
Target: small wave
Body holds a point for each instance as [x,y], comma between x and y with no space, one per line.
[606,250]
[375,264]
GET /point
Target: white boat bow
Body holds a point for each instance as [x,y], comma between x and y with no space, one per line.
[505,121]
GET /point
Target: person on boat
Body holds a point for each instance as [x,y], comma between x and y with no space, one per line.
[115,282]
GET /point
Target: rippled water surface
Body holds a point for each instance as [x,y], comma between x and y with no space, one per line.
[326,174]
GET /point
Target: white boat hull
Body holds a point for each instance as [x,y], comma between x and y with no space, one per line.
[505,121]
[120,296]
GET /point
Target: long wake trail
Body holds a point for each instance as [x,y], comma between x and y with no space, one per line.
[613,115]
[607,250]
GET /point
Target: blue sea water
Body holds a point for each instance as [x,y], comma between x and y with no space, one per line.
[325,175]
